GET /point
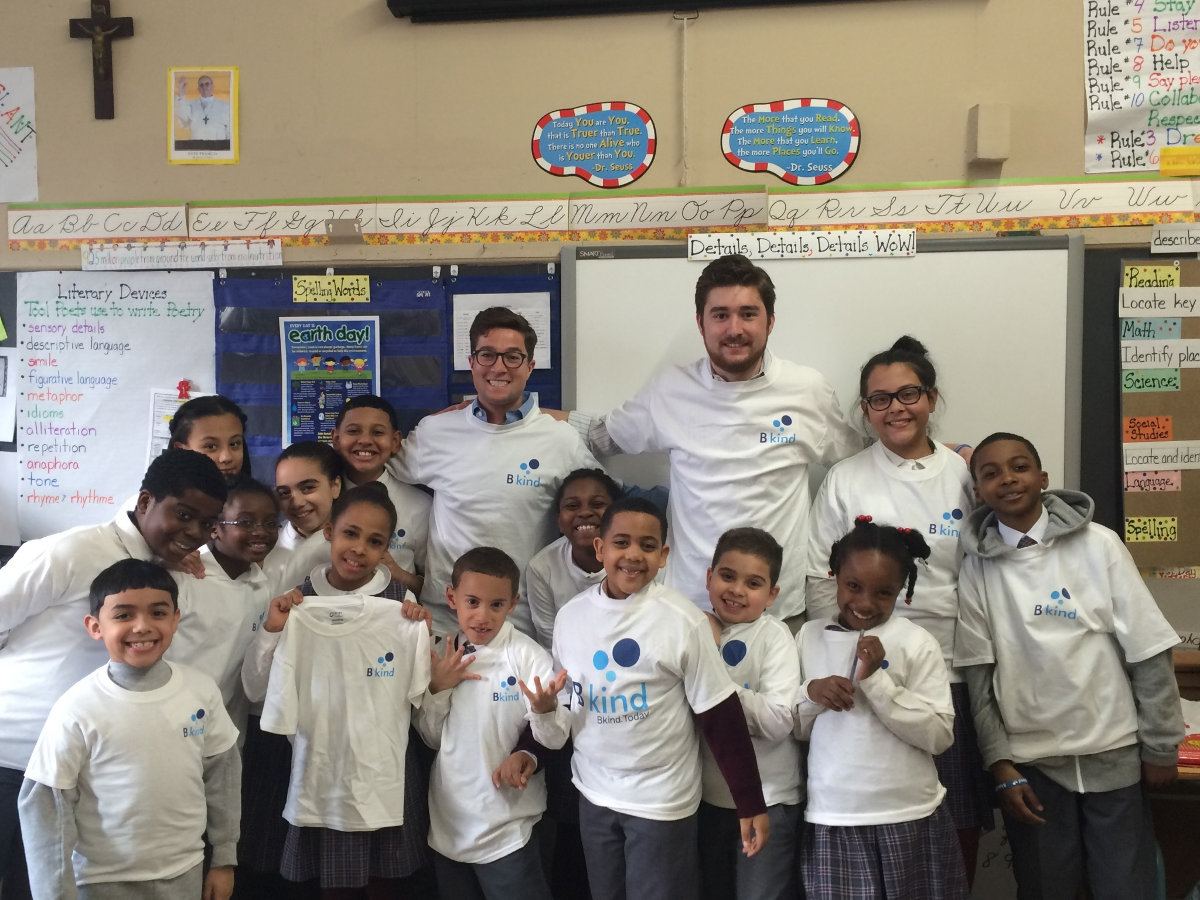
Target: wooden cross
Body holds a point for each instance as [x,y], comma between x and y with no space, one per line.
[100,29]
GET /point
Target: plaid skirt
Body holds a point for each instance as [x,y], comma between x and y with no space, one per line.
[917,860]
[349,859]
[266,768]
[969,787]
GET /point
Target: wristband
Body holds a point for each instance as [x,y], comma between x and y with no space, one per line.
[1005,785]
[960,447]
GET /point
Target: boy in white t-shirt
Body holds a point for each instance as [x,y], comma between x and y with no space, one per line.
[366,435]
[1068,662]
[136,763]
[645,680]
[760,657]
[484,798]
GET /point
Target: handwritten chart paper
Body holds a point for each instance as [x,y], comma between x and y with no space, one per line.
[89,346]
[1141,71]
[18,137]
[1159,331]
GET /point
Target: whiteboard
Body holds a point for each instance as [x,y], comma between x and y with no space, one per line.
[1001,318]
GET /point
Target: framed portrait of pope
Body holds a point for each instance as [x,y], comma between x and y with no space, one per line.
[202,115]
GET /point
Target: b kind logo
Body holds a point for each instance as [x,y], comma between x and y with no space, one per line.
[509,690]
[614,702]
[734,652]
[781,431]
[948,527]
[1057,609]
[196,729]
[525,476]
[382,670]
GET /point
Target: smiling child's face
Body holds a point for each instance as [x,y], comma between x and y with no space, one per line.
[221,439]
[358,540]
[136,625]
[632,552]
[305,493]
[252,544]
[1010,481]
[868,583]
[739,587]
[579,512]
[176,526]
[366,440]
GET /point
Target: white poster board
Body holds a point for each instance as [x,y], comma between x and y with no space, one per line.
[1000,317]
[91,346]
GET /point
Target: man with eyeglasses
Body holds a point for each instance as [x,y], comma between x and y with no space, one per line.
[494,466]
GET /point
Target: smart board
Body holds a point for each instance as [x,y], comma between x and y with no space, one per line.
[1001,318]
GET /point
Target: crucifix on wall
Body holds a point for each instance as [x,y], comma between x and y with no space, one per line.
[100,29]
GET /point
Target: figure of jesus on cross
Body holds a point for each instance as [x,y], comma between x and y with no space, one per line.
[100,29]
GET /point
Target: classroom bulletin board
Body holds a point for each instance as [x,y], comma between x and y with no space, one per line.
[1159,306]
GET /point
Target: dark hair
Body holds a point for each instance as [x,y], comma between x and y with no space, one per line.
[197,408]
[735,270]
[368,401]
[904,545]
[606,482]
[131,575]
[996,437]
[251,486]
[176,470]
[906,351]
[503,317]
[755,542]
[486,561]
[373,493]
[633,505]
[326,458]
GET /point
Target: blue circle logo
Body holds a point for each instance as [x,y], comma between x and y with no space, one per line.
[733,652]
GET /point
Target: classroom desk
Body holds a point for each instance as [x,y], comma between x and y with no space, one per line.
[1177,808]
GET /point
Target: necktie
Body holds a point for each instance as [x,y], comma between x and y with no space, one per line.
[1025,541]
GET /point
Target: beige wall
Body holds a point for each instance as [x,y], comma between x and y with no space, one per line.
[341,99]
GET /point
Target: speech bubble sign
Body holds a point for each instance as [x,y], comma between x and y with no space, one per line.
[809,140]
[606,144]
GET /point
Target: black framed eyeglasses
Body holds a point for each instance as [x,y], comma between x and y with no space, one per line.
[486,356]
[908,395]
[268,525]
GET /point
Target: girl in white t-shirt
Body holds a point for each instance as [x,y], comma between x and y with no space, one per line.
[906,479]
[875,706]
[345,829]
[308,478]
[215,426]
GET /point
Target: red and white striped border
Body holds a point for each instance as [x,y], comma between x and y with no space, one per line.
[780,106]
[579,171]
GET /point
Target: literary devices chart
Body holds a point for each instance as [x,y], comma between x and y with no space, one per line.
[91,347]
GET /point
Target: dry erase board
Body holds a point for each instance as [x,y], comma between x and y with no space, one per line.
[1001,318]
